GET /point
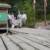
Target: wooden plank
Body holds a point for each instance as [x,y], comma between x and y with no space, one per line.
[2,47]
[41,40]
[41,47]
[24,45]
[9,44]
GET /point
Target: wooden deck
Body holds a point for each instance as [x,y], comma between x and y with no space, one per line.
[23,41]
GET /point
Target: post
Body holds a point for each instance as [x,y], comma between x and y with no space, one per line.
[45,5]
[7,27]
[34,8]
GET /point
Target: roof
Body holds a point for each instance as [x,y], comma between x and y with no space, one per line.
[5,5]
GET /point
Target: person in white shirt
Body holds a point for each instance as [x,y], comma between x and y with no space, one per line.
[12,20]
[19,19]
[15,22]
[24,18]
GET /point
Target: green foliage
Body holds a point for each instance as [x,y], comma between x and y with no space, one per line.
[48,17]
[29,10]
[27,6]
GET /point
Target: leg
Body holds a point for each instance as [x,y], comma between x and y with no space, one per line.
[13,25]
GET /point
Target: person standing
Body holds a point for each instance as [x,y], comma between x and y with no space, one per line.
[24,18]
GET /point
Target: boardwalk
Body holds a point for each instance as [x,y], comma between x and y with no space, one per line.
[24,41]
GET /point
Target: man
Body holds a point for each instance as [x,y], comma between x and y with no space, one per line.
[19,19]
[16,22]
[24,18]
[12,19]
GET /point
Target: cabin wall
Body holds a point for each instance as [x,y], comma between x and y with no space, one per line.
[3,11]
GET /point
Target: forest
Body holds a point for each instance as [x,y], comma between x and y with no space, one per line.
[27,6]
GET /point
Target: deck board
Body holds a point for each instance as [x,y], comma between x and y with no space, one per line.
[2,47]
[9,44]
[23,41]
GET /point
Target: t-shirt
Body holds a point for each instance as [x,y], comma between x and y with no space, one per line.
[24,16]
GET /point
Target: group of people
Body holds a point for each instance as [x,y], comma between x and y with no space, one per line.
[21,19]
